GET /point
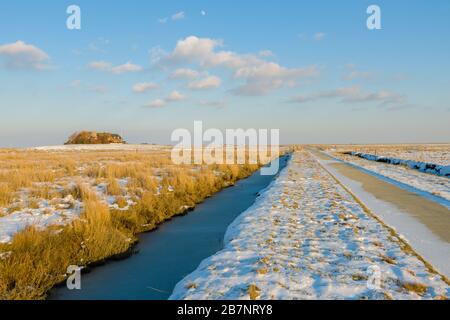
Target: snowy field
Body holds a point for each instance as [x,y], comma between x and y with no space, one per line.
[426,167]
[430,153]
[57,211]
[45,186]
[307,238]
[104,147]
[50,182]
[430,183]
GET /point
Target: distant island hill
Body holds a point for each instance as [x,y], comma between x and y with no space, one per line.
[93,137]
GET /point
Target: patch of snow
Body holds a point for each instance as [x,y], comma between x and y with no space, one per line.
[432,168]
[103,147]
[40,218]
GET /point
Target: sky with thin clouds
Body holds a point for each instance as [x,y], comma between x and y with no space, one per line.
[142,69]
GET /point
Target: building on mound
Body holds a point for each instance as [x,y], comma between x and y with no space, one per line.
[92,137]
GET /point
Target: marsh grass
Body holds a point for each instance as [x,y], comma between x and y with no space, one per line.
[39,258]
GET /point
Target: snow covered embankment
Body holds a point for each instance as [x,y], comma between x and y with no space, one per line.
[432,168]
[307,238]
[428,183]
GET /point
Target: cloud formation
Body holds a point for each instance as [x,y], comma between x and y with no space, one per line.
[157,103]
[144,87]
[260,76]
[174,96]
[206,83]
[262,79]
[353,95]
[178,16]
[119,69]
[19,55]
[185,73]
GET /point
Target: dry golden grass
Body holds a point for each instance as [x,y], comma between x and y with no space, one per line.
[416,287]
[113,187]
[39,258]
[6,194]
[253,292]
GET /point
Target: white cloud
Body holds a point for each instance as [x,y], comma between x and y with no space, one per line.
[185,73]
[178,16]
[119,69]
[274,70]
[383,97]
[206,83]
[193,48]
[319,36]
[144,87]
[203,13]
[19,55]
[353,95]
[127,67]
[175,96]
[157,103]
[261,76]
[269,76]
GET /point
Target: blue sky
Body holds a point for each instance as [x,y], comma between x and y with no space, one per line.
[311,69]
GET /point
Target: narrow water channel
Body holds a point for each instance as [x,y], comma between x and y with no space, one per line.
[169,253]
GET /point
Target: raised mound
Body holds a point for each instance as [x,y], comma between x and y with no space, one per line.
[92,137]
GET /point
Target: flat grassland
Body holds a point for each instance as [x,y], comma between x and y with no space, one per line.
[69,206]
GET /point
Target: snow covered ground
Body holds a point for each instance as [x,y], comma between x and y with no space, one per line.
[103,147]
[40,218]
[429,153]
[307,238]
[432,168]
[410,224]
[436,185]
